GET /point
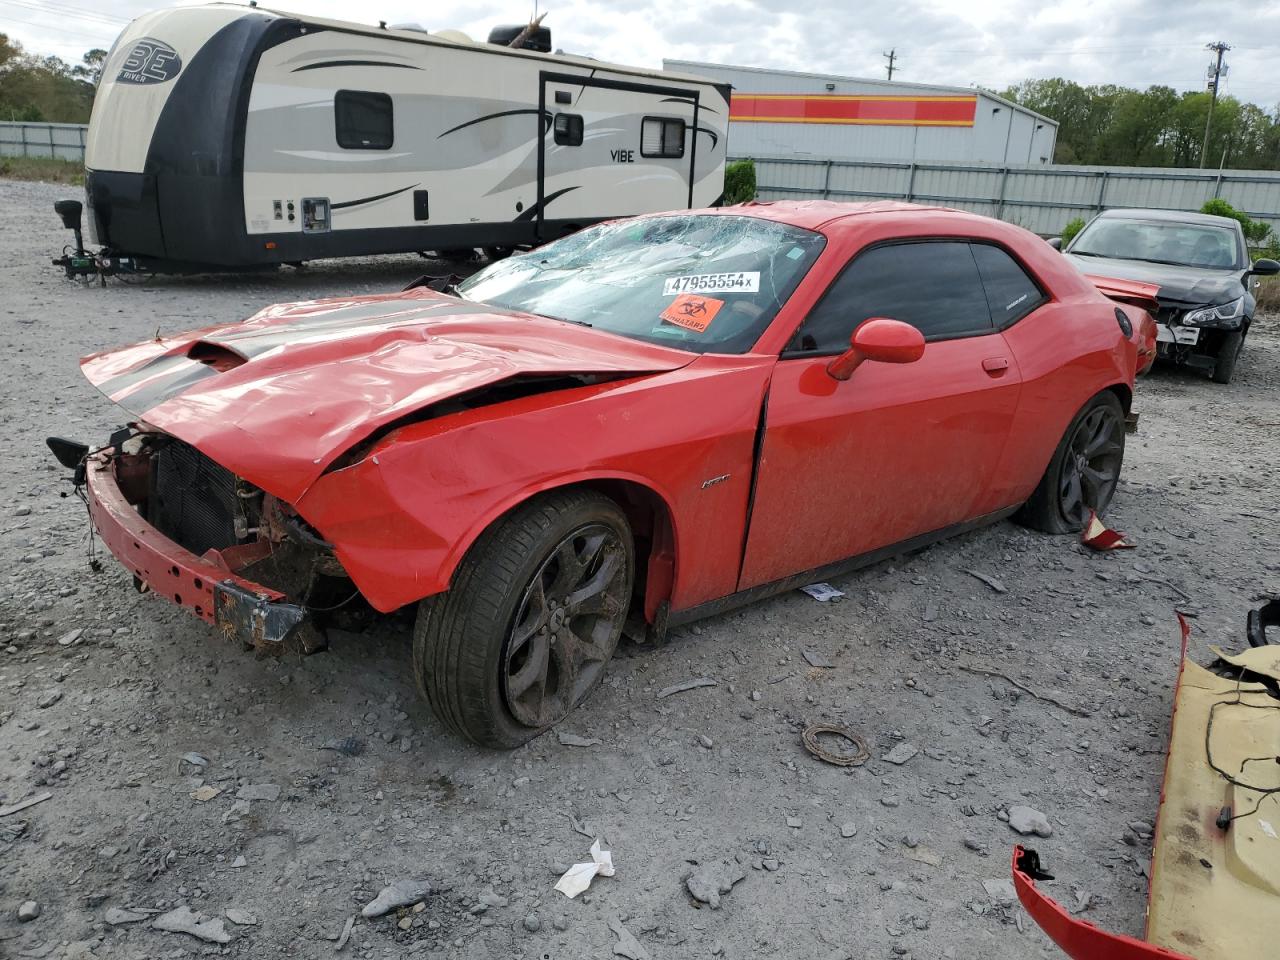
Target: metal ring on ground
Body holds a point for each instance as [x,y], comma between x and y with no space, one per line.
[860,755]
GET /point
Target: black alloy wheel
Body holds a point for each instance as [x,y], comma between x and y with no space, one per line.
[1091,468]
[567,626]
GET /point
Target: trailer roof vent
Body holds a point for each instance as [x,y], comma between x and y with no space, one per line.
[419,28]
[539,38]
[453,36]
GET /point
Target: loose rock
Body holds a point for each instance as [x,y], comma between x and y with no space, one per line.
[901,754]
[1027,820]
[259,791]
[708,883]
[401,893]
[185,920]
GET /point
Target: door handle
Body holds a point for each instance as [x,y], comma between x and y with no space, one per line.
[996,366]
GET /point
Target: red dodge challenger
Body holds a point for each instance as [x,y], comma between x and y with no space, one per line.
[652,420]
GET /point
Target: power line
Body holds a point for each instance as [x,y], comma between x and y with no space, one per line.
[62,12]
[98,39]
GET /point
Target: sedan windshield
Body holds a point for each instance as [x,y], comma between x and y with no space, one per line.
[700,282]
[1159,241]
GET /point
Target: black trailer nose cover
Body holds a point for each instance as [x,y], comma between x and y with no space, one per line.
[187,205]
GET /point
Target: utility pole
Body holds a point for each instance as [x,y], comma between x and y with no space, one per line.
[1216,72]
[891,56]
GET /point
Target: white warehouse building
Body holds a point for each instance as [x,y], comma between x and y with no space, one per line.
[784,114]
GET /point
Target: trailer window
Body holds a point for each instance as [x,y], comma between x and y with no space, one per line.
[363,120]
[662,137]
[569,129]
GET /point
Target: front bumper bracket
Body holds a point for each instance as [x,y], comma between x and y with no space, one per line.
[242,614]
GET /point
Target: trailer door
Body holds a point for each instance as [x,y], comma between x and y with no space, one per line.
[612,148]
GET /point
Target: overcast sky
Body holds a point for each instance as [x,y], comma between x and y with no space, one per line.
[990,43]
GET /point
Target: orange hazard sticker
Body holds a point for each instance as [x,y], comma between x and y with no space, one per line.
[692,311]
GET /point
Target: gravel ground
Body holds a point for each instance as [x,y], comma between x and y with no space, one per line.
[711,779]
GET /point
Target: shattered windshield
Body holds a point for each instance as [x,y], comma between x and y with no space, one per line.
[706,283]
[1159,241]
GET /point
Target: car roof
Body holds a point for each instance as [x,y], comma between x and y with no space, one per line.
[811,214]
[1173,216]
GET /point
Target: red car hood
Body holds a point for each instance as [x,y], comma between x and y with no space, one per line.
[276,398]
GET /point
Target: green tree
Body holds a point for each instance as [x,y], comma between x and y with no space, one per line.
[40,88]
[739,182]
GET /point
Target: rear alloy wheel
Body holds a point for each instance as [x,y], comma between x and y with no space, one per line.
[534,615]
[1084,471]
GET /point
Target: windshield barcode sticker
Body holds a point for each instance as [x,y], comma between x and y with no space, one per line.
[741,282]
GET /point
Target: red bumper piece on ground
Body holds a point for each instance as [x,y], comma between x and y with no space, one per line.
[1078,939]
[204,585]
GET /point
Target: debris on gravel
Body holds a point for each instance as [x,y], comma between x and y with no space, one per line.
[185,920]
[627,945]
[400,893]
[901,754]
[1027,820]
[709,883]
[686,685]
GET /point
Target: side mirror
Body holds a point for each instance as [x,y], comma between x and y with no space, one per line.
[1055,242]
[1264,267]
[879,339]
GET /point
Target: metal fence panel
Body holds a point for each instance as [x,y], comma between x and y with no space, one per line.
[1042,198]
[63,141]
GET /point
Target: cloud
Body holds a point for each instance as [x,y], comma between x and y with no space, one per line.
[991,43]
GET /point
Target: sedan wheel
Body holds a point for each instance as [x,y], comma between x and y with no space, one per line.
[533,615]
[1084,471]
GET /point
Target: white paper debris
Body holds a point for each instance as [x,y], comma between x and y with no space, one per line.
[822,592]
[578,877]
[1269,830]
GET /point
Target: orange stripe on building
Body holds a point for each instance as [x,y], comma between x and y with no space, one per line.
[956,111]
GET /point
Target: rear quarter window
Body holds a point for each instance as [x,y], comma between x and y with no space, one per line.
[1011,293]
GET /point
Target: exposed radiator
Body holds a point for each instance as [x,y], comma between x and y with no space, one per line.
[193,500]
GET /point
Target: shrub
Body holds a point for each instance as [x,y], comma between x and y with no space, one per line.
[739,182]
[1255,232]
[1071,229]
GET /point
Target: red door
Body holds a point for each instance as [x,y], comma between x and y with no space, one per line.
[896,451]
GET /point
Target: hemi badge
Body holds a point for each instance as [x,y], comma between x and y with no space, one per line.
[714,480]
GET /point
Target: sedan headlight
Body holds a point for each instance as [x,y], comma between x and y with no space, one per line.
[1224,311]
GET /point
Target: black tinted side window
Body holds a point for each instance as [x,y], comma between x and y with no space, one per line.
[934,286]
[1010,292]
[363,120]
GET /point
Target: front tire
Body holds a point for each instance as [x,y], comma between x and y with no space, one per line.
[1084,471]
[1225,367]
[534,613]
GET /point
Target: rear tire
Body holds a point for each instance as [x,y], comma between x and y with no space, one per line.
[534,614]
[1084,470]
[1225,367]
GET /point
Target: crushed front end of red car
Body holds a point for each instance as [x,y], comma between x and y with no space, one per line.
[191,531]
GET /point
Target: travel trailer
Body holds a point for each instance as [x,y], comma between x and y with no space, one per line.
[233,136]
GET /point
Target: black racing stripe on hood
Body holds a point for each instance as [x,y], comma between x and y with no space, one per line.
[167,387]
[157,366]
[254,342]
